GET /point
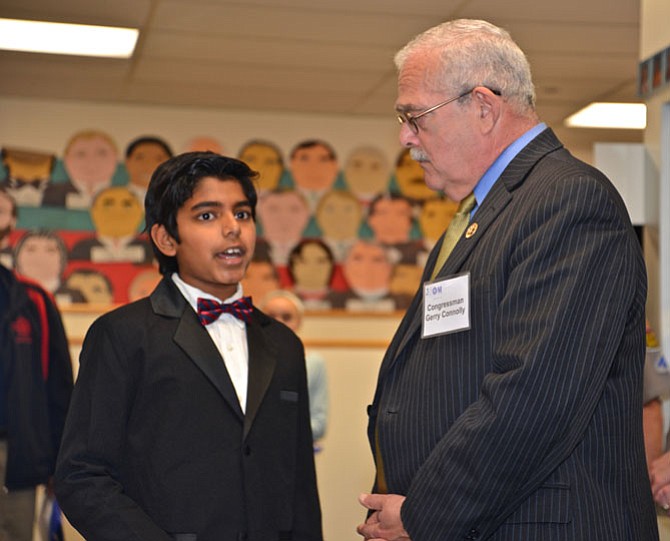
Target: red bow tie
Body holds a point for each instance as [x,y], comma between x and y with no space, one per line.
[210,310]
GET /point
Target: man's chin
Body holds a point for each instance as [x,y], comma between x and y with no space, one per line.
[434,183]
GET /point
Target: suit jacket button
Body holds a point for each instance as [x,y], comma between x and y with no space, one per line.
[246,451]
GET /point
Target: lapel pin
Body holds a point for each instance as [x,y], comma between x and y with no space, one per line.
[471,230]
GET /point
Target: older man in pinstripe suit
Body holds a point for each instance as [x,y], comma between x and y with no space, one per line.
[516,414]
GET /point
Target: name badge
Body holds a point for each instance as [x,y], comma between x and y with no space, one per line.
[446,305]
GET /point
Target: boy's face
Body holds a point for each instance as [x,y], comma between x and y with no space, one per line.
[217,237]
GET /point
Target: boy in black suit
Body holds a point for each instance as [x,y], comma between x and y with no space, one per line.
[190,419]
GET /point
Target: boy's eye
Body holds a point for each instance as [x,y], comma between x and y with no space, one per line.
[206,216]
[243,215]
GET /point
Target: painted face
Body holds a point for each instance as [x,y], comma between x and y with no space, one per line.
[143,284]
[93,287]
[28,166]
[367,268]
[217,237]
[265,160]
[40,259]
[435,217]
[447,145]
[116,212]
[391,220]
[7,221]
[91,162]
[260,279]
[143,161]
[367,171]
[406,279]
[410,178]
[312,268]
[204,143]
[314,168]
[339,215]
[283,310]
[284,216]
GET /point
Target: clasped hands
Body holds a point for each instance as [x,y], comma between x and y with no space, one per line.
[384,523]
[659,474]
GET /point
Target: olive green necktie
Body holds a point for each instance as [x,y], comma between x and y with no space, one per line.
[456,227]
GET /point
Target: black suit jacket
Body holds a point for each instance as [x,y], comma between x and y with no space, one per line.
[156,446]
[527,426]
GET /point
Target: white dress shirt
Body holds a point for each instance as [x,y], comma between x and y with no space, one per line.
[229,335]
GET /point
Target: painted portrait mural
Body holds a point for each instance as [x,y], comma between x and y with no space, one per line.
[348,233]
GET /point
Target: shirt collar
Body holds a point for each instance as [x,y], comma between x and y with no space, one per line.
[498,166]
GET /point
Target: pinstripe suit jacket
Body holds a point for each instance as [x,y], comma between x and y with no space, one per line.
[527,426]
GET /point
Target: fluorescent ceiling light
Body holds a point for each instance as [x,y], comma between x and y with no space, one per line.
[632,116]
[60,38]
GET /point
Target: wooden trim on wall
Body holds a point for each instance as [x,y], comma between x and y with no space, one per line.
[327,343]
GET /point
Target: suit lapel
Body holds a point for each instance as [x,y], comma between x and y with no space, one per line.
[262,362]
[500,195]
[194,340]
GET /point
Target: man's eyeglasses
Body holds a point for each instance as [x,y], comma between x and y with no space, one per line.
[411,119]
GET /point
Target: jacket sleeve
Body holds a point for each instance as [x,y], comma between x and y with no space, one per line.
[87,480]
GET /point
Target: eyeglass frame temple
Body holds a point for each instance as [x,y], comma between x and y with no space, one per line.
[411,120]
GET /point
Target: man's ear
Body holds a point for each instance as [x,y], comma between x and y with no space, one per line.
[488,107]
[163,240]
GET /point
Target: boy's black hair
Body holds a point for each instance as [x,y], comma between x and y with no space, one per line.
[173,183]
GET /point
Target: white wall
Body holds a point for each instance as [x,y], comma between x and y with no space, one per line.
[48,124]
[655,36]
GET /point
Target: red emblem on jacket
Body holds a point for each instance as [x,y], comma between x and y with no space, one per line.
[22,330]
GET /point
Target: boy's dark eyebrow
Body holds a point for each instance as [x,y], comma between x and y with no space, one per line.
[218,204]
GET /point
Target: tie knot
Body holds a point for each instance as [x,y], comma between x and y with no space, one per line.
[466,206]
[209,310]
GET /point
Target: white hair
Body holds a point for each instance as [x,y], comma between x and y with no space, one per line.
[474,53]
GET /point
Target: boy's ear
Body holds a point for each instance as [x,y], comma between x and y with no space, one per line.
[163,240]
